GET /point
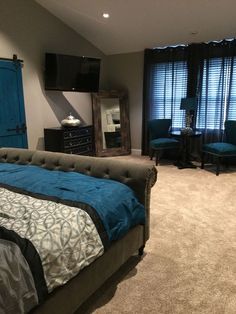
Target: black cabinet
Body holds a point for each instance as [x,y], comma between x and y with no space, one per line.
[74,140]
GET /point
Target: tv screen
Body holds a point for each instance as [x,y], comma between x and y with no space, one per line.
[71,73]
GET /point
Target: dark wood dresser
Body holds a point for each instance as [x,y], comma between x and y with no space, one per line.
[70,140]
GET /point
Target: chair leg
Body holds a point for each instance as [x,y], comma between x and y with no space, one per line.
[157,157]
[141,250]
[217,166]
[202,160]
[152,153]
[226,163]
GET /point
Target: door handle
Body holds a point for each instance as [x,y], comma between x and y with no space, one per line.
[18,129]
[23,127]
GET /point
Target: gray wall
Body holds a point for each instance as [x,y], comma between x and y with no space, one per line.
[28,30]
[125,72]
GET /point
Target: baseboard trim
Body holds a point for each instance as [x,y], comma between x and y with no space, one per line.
[136,152]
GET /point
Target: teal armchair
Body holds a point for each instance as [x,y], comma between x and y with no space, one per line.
[221,150]
[159,139]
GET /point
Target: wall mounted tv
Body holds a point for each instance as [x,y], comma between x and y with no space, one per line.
[71,73]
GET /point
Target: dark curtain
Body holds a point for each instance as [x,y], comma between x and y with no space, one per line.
[152,57]
[211,79]
[216,69]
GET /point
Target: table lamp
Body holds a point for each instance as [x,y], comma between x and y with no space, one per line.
[188,104]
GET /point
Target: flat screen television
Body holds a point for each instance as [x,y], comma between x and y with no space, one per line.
[71,73]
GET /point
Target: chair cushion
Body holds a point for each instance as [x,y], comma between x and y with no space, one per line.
[164,143]
[222,149]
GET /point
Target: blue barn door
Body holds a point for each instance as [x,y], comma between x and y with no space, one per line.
[12,111]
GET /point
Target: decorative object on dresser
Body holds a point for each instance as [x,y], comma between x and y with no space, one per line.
[111,123]
[70,121]
[70,140]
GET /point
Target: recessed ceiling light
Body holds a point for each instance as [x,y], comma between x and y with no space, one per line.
[106,15]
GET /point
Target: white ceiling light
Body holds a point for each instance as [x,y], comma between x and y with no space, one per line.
[106,15]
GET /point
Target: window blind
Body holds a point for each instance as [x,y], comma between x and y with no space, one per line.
[168,86]
[231,112]
[213,94]
[206,71]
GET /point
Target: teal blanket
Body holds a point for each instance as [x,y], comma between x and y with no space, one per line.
[114,202]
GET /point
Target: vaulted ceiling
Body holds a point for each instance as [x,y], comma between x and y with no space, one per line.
[138,24]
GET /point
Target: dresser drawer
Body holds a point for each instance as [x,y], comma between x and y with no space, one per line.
[77,133]
[77,141]
[80,150]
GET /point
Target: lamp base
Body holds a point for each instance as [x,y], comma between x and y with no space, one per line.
[187,131]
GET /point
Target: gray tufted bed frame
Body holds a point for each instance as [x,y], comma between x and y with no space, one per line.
[137,176]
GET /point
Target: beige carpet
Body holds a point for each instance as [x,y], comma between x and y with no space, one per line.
[190,260]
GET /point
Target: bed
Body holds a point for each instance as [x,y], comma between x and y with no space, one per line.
[61,183]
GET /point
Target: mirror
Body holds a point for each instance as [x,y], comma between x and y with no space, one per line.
[111,123]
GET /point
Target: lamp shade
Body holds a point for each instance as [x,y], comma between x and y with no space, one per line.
[189,103]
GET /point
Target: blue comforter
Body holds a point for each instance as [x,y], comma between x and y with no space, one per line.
[115,203]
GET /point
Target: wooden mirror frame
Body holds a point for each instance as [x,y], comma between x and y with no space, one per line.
[124,122]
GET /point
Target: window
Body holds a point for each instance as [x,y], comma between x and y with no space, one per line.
[231,111]
[203,70]
[214,94]
[168,86]
[217,94]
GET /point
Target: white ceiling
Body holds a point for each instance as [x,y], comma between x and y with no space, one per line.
[138,24]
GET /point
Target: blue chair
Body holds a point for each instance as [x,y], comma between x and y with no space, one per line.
[159,137]
[224,149]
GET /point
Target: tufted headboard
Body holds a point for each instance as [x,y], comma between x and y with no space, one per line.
[140,178]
